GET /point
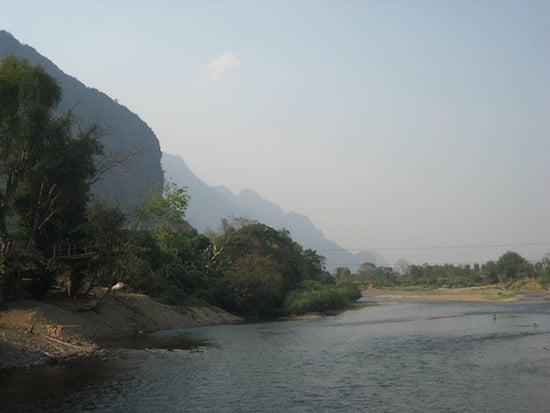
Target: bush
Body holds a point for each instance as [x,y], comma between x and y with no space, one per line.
[352,291]
[544,280]
[313,296]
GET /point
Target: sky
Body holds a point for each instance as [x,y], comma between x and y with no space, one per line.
[416,129]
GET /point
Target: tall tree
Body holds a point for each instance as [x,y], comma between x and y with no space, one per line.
[50,202]
[511,266]
[46,161]
[44,169]
[262,265]
[28,96]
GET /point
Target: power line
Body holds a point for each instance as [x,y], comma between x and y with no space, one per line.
[446,247]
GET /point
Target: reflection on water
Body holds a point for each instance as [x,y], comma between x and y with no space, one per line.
[410,356]
[168,340]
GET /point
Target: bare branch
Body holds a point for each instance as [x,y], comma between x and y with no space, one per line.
[111,161]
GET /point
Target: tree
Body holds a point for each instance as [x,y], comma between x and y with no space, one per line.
[341,273]
[543,267]
[257,284]
[105,229]
[401,266]
[163,209]
[261,265]
[28,96]
[511,266]
[244,237]
[44,170]
[367,267]
[50,202]
[489,272]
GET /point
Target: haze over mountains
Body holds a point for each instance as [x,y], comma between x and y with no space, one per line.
[210,204]
[125,132]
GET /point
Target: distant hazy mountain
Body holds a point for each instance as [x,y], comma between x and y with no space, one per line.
[207,205]
[210,204]
[124,130]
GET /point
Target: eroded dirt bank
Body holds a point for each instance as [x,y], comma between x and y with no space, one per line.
[33,332]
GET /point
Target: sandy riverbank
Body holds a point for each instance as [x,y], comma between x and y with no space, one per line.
[38,332]
[483,293]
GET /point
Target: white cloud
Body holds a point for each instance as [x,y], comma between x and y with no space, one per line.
[221,64]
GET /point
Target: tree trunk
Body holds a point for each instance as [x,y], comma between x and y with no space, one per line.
[5,278]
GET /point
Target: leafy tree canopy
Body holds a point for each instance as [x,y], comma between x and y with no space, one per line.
[45,168]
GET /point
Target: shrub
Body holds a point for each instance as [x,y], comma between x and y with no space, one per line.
[313,296]
[352,291]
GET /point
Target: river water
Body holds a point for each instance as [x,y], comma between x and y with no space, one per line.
[405,356]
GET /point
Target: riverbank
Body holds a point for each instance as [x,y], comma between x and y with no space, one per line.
[59,328]
[483,293]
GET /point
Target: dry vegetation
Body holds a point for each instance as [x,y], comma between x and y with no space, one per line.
[483,293]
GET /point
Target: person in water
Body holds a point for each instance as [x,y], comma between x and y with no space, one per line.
[494,316]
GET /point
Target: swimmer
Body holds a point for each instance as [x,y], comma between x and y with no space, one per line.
[494,316]
[535,325]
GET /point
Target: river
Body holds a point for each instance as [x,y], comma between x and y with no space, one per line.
[404,356]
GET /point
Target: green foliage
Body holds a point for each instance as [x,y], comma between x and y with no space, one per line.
[260,265]
[544,280]
[489,273]
[342,273]
[154,253]
[163,209]
[313,296]
[50,202]
[350,290]
[166,260]
[511,266]
[105,224]
[44,170]
[370,275]
[543,269]
[257,285]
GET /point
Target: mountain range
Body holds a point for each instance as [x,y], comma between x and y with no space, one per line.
[126,133]
[210,204]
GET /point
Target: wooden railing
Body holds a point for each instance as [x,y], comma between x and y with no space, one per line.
[74,250]
[84,249]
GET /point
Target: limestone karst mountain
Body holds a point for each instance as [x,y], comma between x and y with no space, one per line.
[123,131]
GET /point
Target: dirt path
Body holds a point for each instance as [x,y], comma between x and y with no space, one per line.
[34,333]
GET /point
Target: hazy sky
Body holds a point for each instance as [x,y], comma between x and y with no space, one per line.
[390,124]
